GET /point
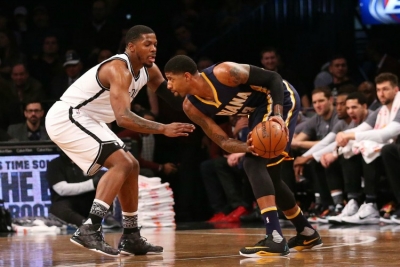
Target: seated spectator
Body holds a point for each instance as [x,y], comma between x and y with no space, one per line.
[223,178]
[340,77]
[9,53]
[204,62]
[32,129]
[10,110]
[49,63]
[369,90]
[72,192]
[271,60]
[25,87]
[314,130]
[146,147]
[382,126]
[103,55]
[72,71]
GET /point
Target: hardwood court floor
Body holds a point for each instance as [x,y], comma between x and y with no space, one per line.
[343,246]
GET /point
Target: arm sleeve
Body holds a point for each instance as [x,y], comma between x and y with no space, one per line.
[71,189]
[380,135]
[175,102]
[321,144]
[268,79]
[329,148]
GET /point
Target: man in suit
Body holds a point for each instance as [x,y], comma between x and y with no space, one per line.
[31,129]
[73,70]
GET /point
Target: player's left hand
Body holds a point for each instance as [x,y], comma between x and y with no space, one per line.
[249,142]
[282,123]
[176,129]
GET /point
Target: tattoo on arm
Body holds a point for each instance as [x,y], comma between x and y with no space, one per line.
[234,72]
[143,124]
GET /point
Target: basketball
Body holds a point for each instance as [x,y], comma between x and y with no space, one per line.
[269,139]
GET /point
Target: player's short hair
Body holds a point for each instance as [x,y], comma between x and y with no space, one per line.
[135,33]
[181,64]
[387,77]
[323,89]
[359,96]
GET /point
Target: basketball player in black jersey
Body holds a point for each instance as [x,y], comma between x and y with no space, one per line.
[230,88]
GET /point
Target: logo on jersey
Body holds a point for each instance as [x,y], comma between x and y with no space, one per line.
[133,92]
[380,11]
[236,104]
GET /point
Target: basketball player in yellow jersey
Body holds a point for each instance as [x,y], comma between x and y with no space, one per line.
[230,88]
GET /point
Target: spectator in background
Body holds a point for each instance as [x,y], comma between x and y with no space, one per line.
[271,60]
[32,129]
[368,89]
[204,62]
[314,130]
[72,192]
[72,71]
[382,61]
[96,34]
[20,24]
[25,87]
[9,53]
[339,70]
[10,109]
[379,128]
[224,182]
[41,27]
[184,40]
[146,147]
[49,64]
[103,55]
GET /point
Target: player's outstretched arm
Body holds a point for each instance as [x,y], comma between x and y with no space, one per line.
[158,84]
[119,79]
[213,131]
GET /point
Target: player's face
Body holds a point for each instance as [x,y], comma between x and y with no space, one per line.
[177,83]
[341,107]
[321,104]
[146,49]
[269,60]
[355,110]
[386,92]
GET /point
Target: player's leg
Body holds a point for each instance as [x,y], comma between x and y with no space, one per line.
[90,144]
[131,243]
[263,188]
[307,237]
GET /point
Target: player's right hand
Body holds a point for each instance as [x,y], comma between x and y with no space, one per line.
[176,129]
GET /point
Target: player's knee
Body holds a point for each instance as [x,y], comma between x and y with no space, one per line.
[128,165]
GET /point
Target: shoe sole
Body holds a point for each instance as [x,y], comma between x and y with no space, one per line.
[263,254]
[301,248]
[126,253]
[93,249]
[362,222]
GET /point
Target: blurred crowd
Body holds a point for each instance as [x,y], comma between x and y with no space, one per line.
[39,60]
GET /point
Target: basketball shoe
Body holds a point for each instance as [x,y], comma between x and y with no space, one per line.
[266,248]
[134,244]
[350,209]
[367,214]
[302,242]
[91,237]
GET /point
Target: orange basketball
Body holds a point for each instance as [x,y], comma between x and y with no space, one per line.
[269,139]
